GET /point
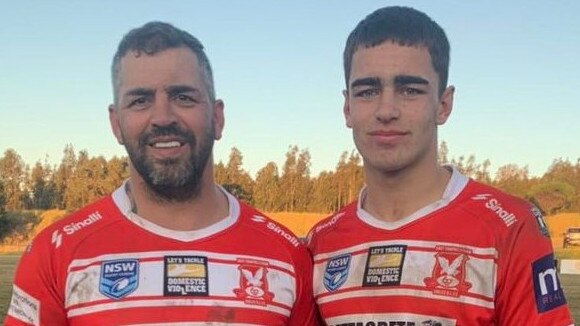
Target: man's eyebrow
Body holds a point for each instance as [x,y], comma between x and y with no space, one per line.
[367,81]
[409,79]
[177,89]
[140,91]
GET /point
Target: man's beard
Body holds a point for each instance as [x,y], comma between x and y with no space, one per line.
[172,180]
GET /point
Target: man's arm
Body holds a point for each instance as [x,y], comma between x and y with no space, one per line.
[35,297]
[304,310]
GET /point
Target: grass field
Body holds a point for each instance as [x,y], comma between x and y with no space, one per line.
[571,284]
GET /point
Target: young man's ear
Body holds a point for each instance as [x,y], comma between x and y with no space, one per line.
[346,109]
[445,105]
[114,121]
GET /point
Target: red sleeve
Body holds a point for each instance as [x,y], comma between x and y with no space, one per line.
[529,291]
[36,298]
[304,310]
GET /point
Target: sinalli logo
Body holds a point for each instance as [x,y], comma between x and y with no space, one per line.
[493,205]
[71,228]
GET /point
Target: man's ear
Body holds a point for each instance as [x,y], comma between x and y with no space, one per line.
[218,119]
[445,105]
[114,121]
[346,109]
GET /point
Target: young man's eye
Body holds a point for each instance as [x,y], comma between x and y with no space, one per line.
[367,93]
[411,91]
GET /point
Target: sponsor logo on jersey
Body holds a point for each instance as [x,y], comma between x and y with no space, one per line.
[330,222]
[258,218]
[71,228]
[393,322]
[24,307]
[493,205]
[336,272]
[119,278]
[448,277]
[540,220]
[253,282]
[547,288]
[185,276]
[277,229]
[384,265]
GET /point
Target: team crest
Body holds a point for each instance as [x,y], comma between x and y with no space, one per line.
[336,272]
[253,283]
[448,275]
[119,278]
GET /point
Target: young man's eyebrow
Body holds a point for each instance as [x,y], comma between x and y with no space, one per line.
[410,79]
[367,81]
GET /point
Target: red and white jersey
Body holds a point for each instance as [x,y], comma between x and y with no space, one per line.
[476,257]
[105,265]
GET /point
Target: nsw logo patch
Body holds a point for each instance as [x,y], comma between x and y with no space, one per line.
[384,265]
[119,278]
[185,276]
[336,272]
[547,288]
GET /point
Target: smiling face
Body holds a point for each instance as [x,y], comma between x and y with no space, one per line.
[166,121]
[393,106]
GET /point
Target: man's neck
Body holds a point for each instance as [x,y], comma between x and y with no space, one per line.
[394,196]
[209,206]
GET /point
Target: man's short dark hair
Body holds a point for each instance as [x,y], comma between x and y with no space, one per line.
[404,26]
[155,37]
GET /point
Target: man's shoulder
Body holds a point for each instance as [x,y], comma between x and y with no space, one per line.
[271,231]
[78,223]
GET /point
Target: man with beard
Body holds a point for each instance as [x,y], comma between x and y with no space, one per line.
[169,246]
[423,244]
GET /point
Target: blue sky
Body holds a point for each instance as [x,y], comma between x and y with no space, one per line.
[278,68]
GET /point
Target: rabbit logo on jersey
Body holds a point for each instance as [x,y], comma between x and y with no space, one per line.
[119,278]
[336,272]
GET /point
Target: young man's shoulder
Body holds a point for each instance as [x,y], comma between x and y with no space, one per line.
[330,223]
[499,208]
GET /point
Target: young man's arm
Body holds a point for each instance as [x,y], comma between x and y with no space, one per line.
[529,291]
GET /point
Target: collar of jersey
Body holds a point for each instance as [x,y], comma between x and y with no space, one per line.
[123,202]
[454,187]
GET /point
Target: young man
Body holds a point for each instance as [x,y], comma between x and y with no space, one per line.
[169,247]
[423,244]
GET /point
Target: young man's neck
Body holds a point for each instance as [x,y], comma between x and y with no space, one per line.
[209,206]
[394,196]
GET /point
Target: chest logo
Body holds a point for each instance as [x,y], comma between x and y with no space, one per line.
[449,272]
[253,283]
[384,266]
[336,272]
[119,278]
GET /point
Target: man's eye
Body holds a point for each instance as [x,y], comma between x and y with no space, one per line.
[139,102]
[185,99]
[367,93]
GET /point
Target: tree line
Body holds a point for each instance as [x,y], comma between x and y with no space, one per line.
[80,179]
